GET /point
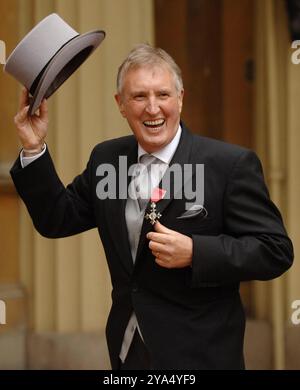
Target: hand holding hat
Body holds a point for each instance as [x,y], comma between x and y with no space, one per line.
[44,59]
[32,130]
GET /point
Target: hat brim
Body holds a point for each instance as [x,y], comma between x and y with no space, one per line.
[63,64]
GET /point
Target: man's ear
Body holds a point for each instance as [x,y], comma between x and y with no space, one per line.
[120,104]
[180,97]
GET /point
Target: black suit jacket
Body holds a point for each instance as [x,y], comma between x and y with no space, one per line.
[190,318]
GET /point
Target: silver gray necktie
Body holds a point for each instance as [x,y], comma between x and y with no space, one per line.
[143,180]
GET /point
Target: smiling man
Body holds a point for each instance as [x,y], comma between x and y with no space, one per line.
[151,100]
[175,297]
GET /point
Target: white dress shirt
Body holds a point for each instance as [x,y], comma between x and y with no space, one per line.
[27,160]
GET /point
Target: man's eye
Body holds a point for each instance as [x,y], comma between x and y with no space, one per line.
[164,94]
[139,97]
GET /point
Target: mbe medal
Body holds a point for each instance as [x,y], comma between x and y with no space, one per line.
[153,215]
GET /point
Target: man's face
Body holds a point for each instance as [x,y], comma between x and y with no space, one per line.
[152,105]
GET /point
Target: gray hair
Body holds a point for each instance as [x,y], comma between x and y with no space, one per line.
[146,55]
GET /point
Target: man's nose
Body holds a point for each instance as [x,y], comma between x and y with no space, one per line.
[152,107]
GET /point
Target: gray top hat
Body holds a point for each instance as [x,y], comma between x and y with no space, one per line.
[48,55]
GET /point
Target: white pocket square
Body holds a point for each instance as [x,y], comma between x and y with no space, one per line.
[194,211]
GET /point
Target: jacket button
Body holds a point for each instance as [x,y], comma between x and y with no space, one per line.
[135,288]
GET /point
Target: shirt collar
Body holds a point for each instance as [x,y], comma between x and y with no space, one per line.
[166,153]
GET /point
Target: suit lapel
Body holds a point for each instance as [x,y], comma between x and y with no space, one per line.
[181,157]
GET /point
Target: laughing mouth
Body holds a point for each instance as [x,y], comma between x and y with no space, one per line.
[154,124]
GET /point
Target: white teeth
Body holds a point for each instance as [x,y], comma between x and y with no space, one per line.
[158,122]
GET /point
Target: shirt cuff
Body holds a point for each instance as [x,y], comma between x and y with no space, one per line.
[28,160]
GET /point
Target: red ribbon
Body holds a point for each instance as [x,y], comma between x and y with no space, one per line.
[157,194]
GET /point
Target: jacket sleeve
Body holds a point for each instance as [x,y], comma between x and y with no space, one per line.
[254,244]
[56,211]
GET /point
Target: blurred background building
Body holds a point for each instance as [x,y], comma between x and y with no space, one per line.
[240,86]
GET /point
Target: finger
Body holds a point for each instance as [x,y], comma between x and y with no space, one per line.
[160,256]
[158,227]
[21,116]
[24,99]
[162,263]
[44,111]
[165,257]
[158,237]
[155,247]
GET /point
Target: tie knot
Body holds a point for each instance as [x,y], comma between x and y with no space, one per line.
[148,159]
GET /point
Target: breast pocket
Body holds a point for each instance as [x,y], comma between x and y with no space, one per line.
[197,224]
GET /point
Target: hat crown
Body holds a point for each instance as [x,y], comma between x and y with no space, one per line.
[37,48]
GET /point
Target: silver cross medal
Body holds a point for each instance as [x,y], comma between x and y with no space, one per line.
[153,216]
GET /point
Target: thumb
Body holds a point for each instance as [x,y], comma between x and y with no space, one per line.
[159,228]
